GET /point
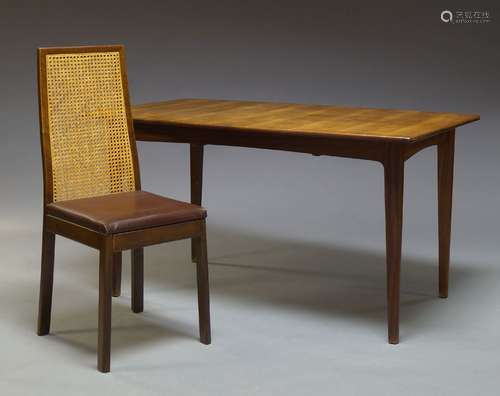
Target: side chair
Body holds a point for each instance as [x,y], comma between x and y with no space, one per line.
[92,189]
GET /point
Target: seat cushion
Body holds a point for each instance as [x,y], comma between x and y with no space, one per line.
[128,211]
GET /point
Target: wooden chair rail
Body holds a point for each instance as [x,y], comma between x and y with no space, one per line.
[156,235]
[74,232]
[126,240]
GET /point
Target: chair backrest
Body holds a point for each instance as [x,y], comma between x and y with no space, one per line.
[87,137]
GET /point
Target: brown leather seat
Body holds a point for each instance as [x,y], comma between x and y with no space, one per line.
[128,211]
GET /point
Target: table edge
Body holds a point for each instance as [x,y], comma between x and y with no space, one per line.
[362,137]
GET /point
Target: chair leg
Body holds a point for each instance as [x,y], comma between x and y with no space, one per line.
[203,287]
[105,289]
[46,282]
[117,274]
[138,280]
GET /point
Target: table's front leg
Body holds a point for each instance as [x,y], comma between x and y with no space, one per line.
[394,181]
[446,149]
[196,165]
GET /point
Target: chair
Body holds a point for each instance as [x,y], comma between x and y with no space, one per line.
[92,189]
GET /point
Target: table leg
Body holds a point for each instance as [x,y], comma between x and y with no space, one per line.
[394,182]
[446,149]
[196,164]
[137,265]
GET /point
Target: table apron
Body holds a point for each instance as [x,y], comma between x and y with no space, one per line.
[374,150]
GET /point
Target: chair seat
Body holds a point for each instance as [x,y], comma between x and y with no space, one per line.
[128,211]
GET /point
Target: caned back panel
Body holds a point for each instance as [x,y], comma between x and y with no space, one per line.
[90,146]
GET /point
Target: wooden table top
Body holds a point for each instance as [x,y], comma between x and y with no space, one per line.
[287,118]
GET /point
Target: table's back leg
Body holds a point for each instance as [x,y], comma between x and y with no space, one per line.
[394,181]
[446,149]
[196,165]
[137,279]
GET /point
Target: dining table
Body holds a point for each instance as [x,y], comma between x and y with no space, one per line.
[387,136]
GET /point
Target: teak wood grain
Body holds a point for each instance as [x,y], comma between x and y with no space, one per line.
[387,136]
[297,119]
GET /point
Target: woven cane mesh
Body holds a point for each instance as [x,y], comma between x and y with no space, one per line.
[89,138]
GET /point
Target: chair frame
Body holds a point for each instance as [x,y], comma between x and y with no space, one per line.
[110,246]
